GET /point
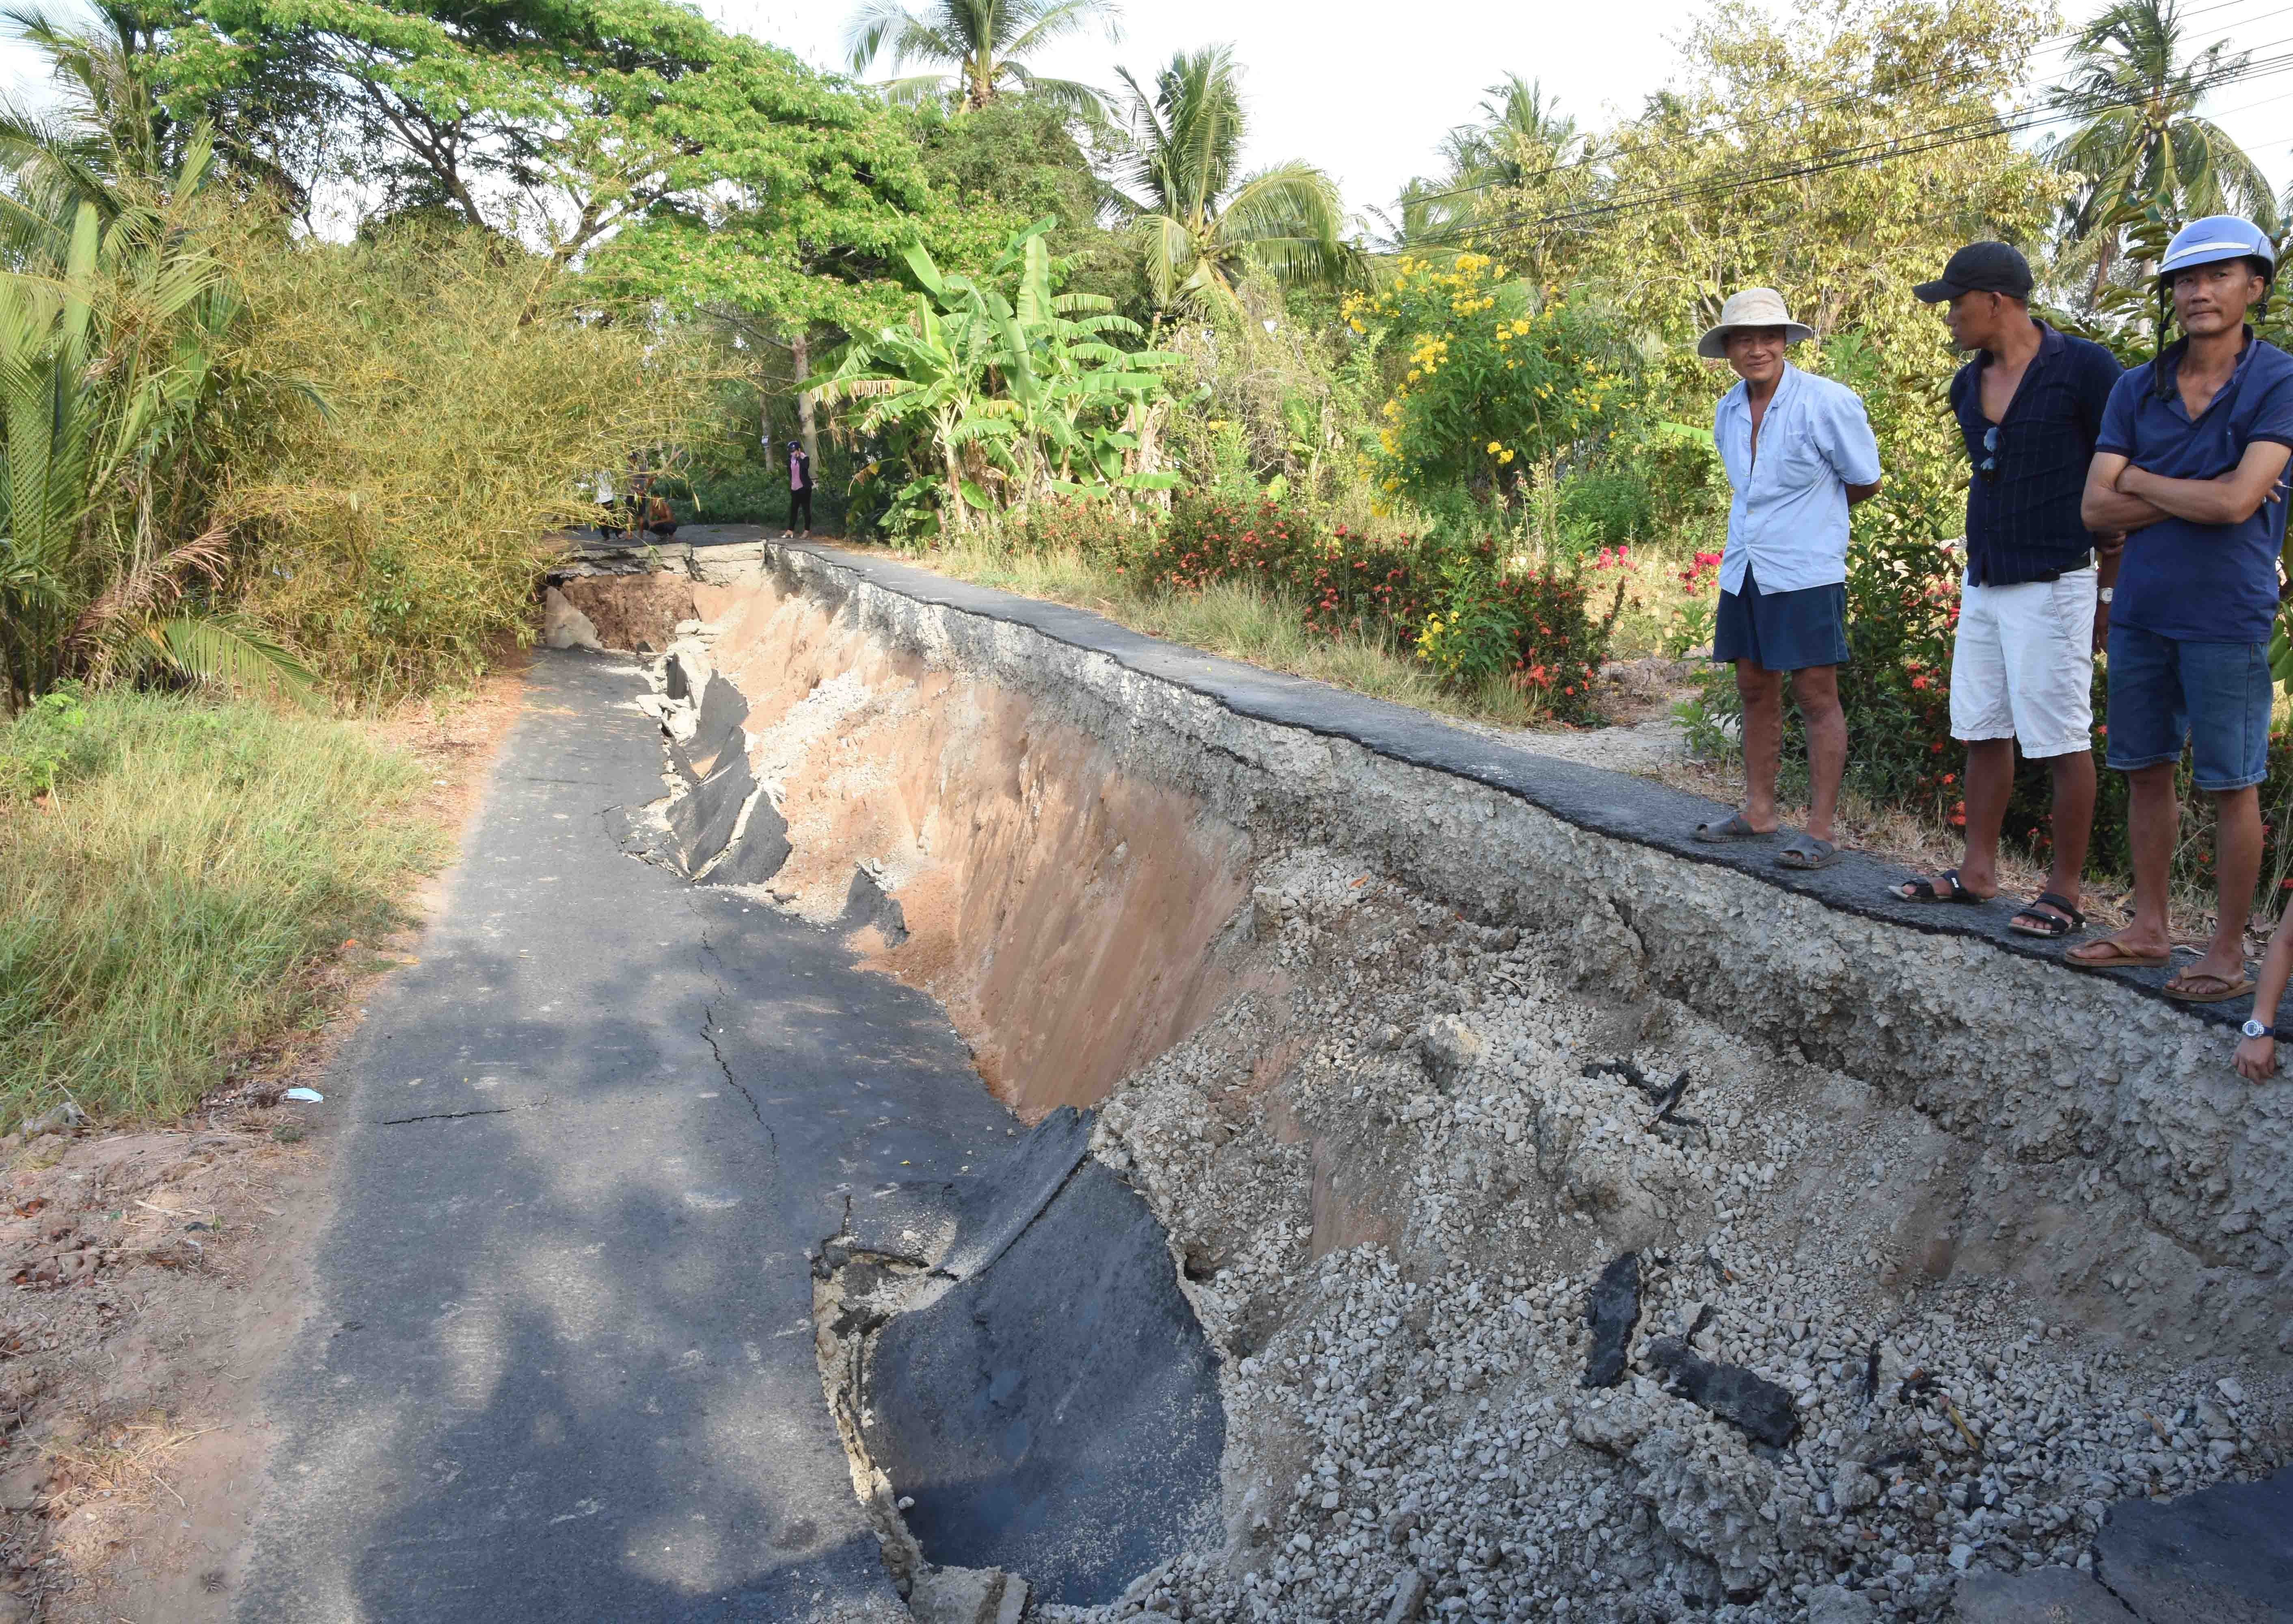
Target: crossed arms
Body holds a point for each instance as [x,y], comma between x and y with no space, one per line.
[2119,496]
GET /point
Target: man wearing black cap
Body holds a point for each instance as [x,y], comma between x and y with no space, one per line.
[2034,606]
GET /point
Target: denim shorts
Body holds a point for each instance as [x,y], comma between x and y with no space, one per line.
[1782,631]
[2214,696]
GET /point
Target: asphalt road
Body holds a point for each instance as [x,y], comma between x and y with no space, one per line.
[561,1365]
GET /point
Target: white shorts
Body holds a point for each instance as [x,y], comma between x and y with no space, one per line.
[2023,665]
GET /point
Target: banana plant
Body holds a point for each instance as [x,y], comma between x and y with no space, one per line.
[1023,391]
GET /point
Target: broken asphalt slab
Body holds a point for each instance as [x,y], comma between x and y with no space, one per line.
[1054,1413]
[559,1363]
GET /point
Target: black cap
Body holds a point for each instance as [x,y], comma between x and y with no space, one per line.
[1980,267]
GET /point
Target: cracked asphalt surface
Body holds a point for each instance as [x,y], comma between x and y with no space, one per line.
[561,1364]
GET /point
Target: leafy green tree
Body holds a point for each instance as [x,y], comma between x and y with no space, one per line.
[1202,225]
[2142,150]
[979,45]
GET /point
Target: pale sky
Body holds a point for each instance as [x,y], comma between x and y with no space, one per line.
[1367,91]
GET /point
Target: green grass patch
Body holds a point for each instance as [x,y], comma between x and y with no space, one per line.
[161,909]
[1257,622]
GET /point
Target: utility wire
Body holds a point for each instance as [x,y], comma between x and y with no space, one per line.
[1878,150]
[1866,92]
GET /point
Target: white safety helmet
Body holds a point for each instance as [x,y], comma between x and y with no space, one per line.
[2217,238]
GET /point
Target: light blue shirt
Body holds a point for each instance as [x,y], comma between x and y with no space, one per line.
[1787,522]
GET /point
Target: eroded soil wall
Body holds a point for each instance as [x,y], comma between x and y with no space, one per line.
[1059,906]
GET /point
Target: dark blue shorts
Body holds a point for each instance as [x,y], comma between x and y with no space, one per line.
[1782,631]
[2165,693]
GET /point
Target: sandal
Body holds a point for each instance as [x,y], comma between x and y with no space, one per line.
[2114,956]
[1807,852]
[1923,890]
[2052,927]
[1734,829]
[2226,988]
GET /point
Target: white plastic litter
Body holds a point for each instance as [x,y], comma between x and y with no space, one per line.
[307,1096]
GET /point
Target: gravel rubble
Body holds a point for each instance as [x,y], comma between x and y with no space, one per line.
[1392,1184]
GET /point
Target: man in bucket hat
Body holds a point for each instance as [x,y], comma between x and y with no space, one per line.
[2034,601]
[2190,463]
[1798,453]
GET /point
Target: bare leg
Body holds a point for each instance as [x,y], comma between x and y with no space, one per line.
[1990,785]
[2237,865]
[1816,690]
[2073,786]
[2152,820]
[1762,693]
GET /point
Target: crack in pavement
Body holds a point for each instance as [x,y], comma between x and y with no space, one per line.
[498,1110]
[708,1030]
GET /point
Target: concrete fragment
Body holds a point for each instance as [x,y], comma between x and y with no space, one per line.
[562,626]
[2035,1596]
[1409,1588]
[1837,1604]
[1854,1486]
[961,1595]
[1711,1501]
[1735,1395]
[1450,1050]
[1614,1427]
[686,672]
[1612,1308]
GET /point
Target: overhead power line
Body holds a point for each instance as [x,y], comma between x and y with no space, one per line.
[1870,93]
[1878,151]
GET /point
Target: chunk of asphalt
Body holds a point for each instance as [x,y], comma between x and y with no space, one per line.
[681,758]
[1057,1414]
[996,1210]
[684,672]
[2038,1595]
[723,709]
[866,902]
[644,836]
[1612,1308]
[1762,1410]
[758,848]
[703,821]
[2224,1554]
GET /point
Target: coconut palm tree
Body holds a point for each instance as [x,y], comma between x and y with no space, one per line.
[979,42]
[1200,225]
[1522,145]
[2140,149]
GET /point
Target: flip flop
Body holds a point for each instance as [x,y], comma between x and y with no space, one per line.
[1923,890]
[2118,959]
[2052,927]
[1734,829]
[2239,988]
[1807,852]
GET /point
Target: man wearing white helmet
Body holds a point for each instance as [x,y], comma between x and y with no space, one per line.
[2189,463]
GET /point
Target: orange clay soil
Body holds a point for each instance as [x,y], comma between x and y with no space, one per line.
[1061,909]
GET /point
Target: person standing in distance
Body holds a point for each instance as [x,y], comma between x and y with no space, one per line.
[2034,605]
[1798,453]
[2190,464]
[800,491]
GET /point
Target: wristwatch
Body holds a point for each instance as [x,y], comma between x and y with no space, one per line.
[2107,593]
[2254,1028]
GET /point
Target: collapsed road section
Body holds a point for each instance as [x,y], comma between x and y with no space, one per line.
[1942,1258]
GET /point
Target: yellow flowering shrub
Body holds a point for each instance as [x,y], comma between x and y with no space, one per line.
[1493,377]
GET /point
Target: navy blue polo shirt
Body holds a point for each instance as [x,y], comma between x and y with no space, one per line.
[2022,518]
[2201,583]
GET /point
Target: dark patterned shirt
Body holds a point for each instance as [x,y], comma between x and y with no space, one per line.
[2023,517]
